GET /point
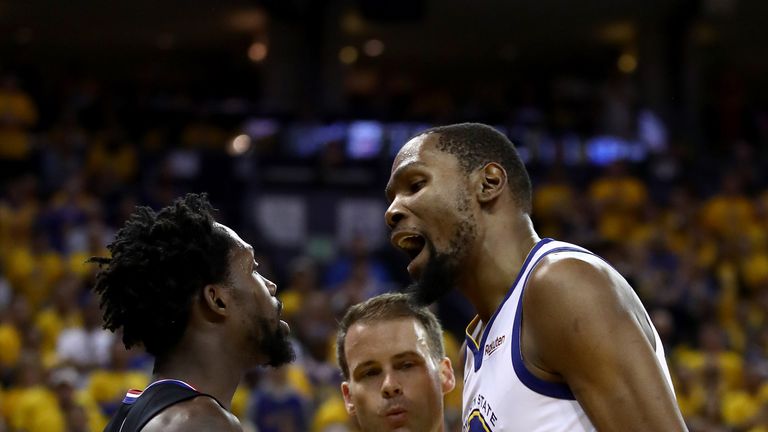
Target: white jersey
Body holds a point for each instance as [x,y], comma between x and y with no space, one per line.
[500,394]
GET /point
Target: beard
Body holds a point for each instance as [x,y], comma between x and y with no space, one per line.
[274,344]
[441,271]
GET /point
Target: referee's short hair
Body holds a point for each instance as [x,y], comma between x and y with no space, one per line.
[387,307]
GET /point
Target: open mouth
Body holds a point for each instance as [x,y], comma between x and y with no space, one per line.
[411,244]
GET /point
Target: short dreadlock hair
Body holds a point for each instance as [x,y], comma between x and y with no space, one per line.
[476,144]
[159,263]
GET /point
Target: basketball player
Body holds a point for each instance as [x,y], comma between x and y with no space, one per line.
[395,370]
[560,341]
[188,289]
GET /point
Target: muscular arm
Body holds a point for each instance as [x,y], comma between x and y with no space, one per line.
[201,414]
[583,324]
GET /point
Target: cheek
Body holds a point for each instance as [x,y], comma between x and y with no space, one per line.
[363,398]
[267,311]
[261,297]
[448,208]
[427,387]
[438,203]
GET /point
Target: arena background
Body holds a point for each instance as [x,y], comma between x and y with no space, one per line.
[644,125]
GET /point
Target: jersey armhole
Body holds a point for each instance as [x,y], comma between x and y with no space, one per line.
[531,381]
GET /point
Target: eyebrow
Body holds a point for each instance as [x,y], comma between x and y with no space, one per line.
[363,365]
[399,172]
[404,354]
[398,356]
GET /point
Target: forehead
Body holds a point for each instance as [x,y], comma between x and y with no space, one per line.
[421,149]
[382,340]
[236,240]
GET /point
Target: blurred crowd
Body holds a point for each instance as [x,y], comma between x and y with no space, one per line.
[689,232]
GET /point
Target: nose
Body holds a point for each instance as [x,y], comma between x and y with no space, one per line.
[271,286]
[391,386]
[394,214]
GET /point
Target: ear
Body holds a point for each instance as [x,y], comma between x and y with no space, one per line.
[216,297]
[348,404]
[493,180]
[447,379]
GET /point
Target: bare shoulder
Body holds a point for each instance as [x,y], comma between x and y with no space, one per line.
[563,283]
[575,306]
[583,325]
[199,414]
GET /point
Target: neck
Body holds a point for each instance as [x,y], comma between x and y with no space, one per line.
[501,251]
[210,371]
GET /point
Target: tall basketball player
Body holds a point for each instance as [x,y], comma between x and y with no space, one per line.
[560,342]
[188,289]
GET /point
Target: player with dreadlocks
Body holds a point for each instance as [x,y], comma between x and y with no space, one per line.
[188,289]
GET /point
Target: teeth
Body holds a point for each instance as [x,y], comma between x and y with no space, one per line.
[409,242]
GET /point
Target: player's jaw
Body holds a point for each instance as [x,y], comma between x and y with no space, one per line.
[431,271]
[436,279]
[414,244]
[271,339]
[437,272]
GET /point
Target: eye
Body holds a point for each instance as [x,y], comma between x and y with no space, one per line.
[417,185]
[370,373]
[407,365]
